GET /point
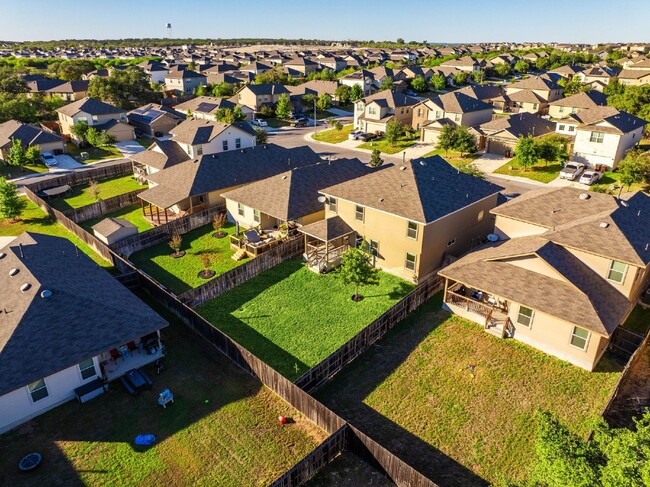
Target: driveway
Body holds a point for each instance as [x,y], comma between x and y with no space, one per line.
[64,163]
[129,147]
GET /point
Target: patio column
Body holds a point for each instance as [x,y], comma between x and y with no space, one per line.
[142,205]
[158,214]
[166,216]
[444,296]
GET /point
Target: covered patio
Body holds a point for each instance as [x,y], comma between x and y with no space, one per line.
[325,242]
[131,355]
[159,206]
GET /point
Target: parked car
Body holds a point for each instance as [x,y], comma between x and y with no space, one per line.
[590,176]
[366,137]
[572,170]
[259,123]
[48,159]
[135,381]
[299,123]
[355,134]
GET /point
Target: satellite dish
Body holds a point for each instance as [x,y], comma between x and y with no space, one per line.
[322,199]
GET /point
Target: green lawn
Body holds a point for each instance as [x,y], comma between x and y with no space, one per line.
[79,195]
[94,153]
[181,275]
[453,157]
[539,172]
[639,320]
[333,136]
[276,123]
[415,393]
[36,220]
[221,430]
[386,148]
[131,213]
[293,318]
[611,181]
[15,172]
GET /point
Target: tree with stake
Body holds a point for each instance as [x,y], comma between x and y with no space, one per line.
[94,189]
[11,204]
[393,132]
[175,245]
[218,223]
[356,269]
[375,159]
[206,262]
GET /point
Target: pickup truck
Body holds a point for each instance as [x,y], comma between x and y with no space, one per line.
[572,171]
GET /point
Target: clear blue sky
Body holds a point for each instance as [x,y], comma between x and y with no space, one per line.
[588,21]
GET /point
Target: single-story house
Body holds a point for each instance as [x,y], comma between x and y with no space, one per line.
[29,136]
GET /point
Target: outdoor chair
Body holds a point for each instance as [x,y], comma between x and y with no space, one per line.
[132,346]
[252,236]
[115,355]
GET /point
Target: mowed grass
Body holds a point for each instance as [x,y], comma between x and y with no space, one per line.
[11,172]
[453,157]
[36,220]
[539,172]
[221,430]
[131,213]
[333,136]
[180,275]
[387,148]
[79,195]
[293,318]
[95,154]
[416,393]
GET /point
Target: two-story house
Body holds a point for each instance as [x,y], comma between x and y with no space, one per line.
[465,63]
[408,216]
[156,71]
[500,136]
[530,95]
[566,271]
[199,136]
[254,96]
[154,120]
[363,78]
[207,107]
[300,66]
[575,103]
[373,112]
[98,114]
[184,82]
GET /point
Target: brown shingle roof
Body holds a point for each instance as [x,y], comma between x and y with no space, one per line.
[327,230]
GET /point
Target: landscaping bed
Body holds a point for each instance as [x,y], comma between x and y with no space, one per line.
[540,172]
[293,318]
[222,429]
[417,393]
[384,146]
[182,274]
[79,195]
[131,213]
[333,136]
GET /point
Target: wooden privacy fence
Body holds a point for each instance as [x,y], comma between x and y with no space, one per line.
[239,275]
[317,375]
[625,343]
[164,232]
[102,207]
[80,176]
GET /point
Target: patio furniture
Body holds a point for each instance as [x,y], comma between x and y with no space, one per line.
[252,236]
[145,440]
[115,355]
[123,349]
[88,391]
[131,346]
[165,397]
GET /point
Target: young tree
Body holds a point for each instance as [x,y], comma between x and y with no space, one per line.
[11,204]
[527,152]
[464,141]
[393,131]
[472,170]
[79,130]
[218,223]
[356,92]
[438,82]
[479,76]
[17,156]
[447,138]
[386,84]
[342,94]
[283,108]
[175,244]
[206,262]
[308,101]
[460,78]
[338,125]
[261,136]
[634,169]
[356,269]
[94,189]
[324,102]
[419,83]
[225,115]
[33,154]
[201,90]
[223,89]
[375,158]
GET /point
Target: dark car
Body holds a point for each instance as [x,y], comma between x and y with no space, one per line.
[135,381]
[366,137]
[299,123]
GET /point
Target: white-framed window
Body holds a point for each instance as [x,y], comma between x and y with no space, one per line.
[562,127]
[580,338]
[457,117]
[561,110]
[256,216]
[451,242]
[333,205]
[240,209]
[199,150]
[237,143]
[38,390]
[373,247]
[438,114]
[95,118]
[525,316]
[372,110]
[572,128]
[597,137]
[359,107]
[87,369]
[225,145]
[412,230]
[409,263]
[359,213]
[82,119]
[420,112]
[617,271]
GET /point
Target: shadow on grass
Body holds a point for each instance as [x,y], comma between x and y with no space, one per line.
[347,392]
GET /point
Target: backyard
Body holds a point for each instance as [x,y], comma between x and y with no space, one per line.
[131,213]
[80,195]
[384,146]
[222,429]
[293,318]
[333,136]
[94,153]
[542,172]
[459,404]
[180,275]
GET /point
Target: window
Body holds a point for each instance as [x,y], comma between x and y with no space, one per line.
[401,111]
[481,214]
[562,127]
[87,369]
[410,261]
[199,150]
[412,230]
[535,105]
[457,117]
[438,114]
[240,209]
[237,143]
[122,116]
[572,128]
[256,216]
[617,272]
[451,242]
[579,338]
[38,390]
[95,119]
[561,109]
[359,107]
[372,111]
[597,137]
[373,247]
[82,119]
[525,316]
[359,213]
[333,204]
[420,112]
[225,145]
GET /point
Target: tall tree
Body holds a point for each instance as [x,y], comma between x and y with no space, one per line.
[438,82]
[464,142]
[522,66]
[342,94]
[393,131]
[11,203]
[356,92]
[386,84]
[419,83]
[283,108]
[17,156]
[324,102]
[74,69]
[527,152]
[502,70]
[356,269]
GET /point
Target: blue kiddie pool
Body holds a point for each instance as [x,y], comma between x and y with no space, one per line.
[145,440]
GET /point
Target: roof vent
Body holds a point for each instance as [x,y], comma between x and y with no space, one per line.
[25,287]
[381,200]
[46,293]
[423,163]
[2,255]
[402,168]
[604,225]
[13,272]
[284,177]
[584,196]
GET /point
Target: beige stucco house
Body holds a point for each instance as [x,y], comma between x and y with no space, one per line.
[97,114]
[566,272]
[373,112]
[254,96]
[564,107]
[531,95]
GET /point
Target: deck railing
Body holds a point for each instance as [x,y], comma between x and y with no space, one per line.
[469,304]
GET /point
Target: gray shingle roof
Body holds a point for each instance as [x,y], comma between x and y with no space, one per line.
[169,154]
[456,102]
[194,131]
[589,99]
[27,134]
[93,106]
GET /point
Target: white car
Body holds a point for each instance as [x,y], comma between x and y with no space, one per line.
[590,177]
[259,123]
[354,134]
[48,159]
[572,171]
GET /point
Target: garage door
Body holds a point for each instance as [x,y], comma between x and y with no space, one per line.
[498,147]
[430,136]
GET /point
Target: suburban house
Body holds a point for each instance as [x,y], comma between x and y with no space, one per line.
[603,135]
[486,93]
[198,183]
[430,115]
[29,136]
[465,63]
[160,155]
[207,107]
[575,103]
[373,112]
[408,216]
[567,270]
[596,76]
[254,96]
[97,114]
[199,136]
[630,77]
[500,136]
[334,63]
[154,120]
[314,87]
[70,91]
[63,317]
[363,78]
[301,66]
[531,95]
[156,71]
[184,82]
[256,67]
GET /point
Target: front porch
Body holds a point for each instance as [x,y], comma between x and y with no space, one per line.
[479,306]
[131,355]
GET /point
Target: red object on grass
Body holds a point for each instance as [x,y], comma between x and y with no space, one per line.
[282,419]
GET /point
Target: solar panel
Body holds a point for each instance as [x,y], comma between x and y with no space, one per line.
[206,107]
